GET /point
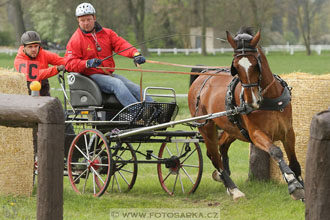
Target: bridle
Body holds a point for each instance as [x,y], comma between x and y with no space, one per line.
[243,52]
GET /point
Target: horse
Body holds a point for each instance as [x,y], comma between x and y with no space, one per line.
[267,115]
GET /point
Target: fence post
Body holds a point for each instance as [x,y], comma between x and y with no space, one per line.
[317,191]
[47,113]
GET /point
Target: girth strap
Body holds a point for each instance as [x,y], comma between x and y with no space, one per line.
[196,124]
[230,104]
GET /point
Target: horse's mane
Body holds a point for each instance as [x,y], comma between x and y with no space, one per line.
[246,30]
[244,36]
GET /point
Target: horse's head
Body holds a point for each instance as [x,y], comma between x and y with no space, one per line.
[247,65]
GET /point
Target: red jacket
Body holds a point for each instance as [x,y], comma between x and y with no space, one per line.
[37,69]
[82,47]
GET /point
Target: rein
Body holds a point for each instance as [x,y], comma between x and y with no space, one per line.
[187,66]
[159,71]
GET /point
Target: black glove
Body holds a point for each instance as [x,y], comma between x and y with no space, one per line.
[60,68]
[93,63]
[139,59]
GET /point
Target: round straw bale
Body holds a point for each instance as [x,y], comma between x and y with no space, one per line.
[16,147]
[310,95]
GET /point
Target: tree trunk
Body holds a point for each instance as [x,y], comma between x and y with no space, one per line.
[137,17]
[15,10]
[204,53]
[259,164]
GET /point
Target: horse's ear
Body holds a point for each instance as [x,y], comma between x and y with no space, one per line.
[231,40]
[255,39]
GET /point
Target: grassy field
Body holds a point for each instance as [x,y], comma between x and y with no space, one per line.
[264,200]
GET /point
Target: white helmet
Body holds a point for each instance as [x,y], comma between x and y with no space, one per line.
[85,9]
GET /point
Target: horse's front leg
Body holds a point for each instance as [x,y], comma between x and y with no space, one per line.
[289,146]
[210,135]
[296,189]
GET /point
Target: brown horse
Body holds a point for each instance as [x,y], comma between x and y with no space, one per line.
[267,117]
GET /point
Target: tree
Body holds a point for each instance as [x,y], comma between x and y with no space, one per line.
[306,11]
[203,15]
[14,9]
[137,13]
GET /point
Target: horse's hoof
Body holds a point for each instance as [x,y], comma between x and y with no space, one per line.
[296,190]
[298,194]
[236,193]
[216,176]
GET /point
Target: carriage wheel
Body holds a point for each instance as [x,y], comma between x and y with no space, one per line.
[183,169]
[89,163]
[125,167]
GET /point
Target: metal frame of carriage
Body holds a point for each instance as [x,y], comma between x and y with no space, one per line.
[102,151]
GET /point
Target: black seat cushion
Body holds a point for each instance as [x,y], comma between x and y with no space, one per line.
[84,92]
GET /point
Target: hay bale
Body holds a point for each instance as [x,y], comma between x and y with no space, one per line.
[12,82]
[310,95]
[16,147]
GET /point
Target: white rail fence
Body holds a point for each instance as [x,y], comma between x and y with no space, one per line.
[291,49]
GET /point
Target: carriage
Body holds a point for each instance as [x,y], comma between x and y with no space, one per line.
[105,142]
[255,101]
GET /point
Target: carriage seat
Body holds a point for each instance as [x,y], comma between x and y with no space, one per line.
[84,92]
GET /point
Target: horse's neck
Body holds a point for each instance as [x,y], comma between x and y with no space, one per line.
[274,89]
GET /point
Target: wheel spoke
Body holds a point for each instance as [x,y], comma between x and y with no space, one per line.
[78,177]
[86,145]
[122,176]
[86,157]
[95,145]
[94,185]
[166,177]
[113,183]
[176,179]
[177,149]
[182,188]
[85,183]
[188,156]
[97,174]
[189,165]
[78,163]
[101,165]
[189,177]
[98,154]
[127,171]
[169,152]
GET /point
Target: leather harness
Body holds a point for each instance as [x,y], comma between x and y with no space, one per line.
[267,104]
[276,104]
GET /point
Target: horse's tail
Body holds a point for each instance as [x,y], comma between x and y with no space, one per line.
[194,77]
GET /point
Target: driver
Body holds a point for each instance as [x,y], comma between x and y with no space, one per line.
[90,44]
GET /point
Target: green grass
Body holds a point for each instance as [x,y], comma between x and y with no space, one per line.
[264,200]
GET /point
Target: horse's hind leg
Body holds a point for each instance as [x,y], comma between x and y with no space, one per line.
[225,141]
[210,135]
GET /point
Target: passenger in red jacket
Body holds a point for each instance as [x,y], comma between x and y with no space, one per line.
[90,44]
[33,61]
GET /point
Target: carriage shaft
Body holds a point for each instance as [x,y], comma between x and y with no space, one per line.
[235,111]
